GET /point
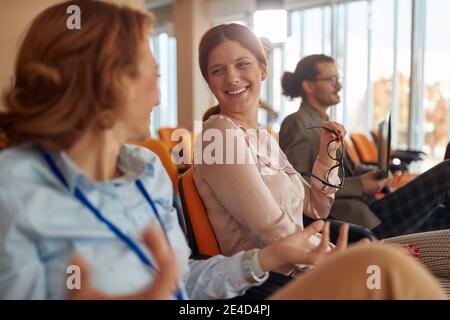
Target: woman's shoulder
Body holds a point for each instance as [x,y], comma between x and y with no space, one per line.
[135,151]
[20,162]
[135,156]
[221,122]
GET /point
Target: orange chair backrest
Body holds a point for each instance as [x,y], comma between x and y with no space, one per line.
[200,233]
[374,134]
[366,149]
[161,150]
[351,152]
[186,138]
[165,135]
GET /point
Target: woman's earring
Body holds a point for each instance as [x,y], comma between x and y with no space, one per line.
[263,76]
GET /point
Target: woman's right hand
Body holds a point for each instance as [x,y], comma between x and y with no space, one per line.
[162,287]
[328,143]
[298,249]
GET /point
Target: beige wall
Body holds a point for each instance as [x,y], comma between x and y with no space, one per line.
[15,16]
[191,20]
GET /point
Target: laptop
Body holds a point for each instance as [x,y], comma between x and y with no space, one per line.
[384,146]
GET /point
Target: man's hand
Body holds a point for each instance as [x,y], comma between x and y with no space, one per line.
[372,183]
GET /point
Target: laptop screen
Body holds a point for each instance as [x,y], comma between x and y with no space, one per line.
[384,145]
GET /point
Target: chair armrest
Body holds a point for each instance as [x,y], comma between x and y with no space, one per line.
[408,155]
[182,168]
[355,232]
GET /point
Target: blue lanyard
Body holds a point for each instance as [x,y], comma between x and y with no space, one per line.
[130,243]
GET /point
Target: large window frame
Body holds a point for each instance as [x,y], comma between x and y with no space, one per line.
[416,134]
[164,49]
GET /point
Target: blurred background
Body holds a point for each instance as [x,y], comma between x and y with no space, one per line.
[393,55]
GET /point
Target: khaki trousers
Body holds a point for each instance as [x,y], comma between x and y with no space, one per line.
[371,271]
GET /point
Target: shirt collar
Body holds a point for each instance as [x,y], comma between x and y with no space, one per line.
[313,112]
[130,162]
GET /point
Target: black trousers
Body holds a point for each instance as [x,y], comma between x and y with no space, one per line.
[420,205]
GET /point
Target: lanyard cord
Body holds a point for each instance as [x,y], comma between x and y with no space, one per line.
[130,243]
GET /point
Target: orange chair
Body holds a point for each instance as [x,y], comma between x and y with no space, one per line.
[366,149]
[165,135]
[400,178]
[404,156]
[161,150]
[200,234]
[351,152]
[186,139]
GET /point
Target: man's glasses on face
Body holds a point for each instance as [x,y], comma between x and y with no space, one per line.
[336,170]
[334,80]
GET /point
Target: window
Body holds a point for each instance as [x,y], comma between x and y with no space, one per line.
[392,56]
[373,45]
[402,74]
[164,49]
[391,63]
[356,54]
[309,32]
[436,84]
[382,62]
[313,31]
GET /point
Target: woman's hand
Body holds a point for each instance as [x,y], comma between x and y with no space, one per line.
[335,131]
[162,287]
[297,248]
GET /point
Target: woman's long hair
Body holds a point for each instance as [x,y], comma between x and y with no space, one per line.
[66,80]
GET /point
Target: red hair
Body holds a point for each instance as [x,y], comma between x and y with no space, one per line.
[66,80]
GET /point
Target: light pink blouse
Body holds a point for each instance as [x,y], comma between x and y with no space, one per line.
[254,204]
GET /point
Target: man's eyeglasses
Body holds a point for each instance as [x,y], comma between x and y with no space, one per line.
[337,169]
[334,80]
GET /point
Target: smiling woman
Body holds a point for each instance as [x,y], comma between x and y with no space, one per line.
[233,63]
[258,205]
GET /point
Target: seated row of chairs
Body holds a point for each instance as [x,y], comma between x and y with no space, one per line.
[368,152]
[201,236]
[196,224]
[194,219]
[360,149]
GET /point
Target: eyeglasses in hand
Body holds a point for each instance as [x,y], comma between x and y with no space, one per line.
[337,169]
